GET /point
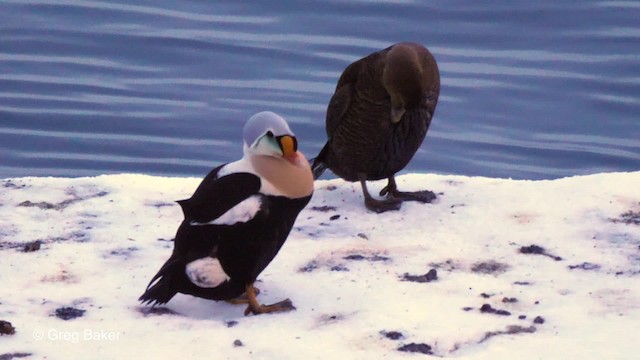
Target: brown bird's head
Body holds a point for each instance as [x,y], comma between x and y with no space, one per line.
[409,71]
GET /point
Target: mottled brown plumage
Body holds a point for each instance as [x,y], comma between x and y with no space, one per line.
[378,117]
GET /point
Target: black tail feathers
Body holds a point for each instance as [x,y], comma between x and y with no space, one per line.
[318,168]
[318,165]
[162,287]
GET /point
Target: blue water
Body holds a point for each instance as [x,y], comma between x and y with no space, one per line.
[530,89]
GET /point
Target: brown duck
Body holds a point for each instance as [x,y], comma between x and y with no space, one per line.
[377,119]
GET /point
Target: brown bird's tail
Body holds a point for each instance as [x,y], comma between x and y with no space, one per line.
[318,165]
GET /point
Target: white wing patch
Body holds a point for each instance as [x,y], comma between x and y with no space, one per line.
[244,165]
[241,213]
[206,272]
[238,166]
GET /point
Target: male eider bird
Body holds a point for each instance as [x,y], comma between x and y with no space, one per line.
[237,220]
[377,119]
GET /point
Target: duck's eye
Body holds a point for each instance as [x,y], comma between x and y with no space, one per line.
[269,133]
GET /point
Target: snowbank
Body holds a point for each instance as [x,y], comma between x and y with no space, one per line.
[494,269]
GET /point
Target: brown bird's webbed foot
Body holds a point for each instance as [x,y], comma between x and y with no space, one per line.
[391,191]
[379,206]
[256,308]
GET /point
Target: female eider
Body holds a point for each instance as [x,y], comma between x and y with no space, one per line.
[377,119]
[238,219]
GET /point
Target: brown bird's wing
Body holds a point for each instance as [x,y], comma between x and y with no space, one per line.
[365,70]
[337,107]
[341,99]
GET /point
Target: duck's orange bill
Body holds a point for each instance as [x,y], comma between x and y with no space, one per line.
[288,145]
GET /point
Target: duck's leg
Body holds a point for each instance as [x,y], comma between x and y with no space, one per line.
[256,308]
[391,191]
[242,299]
[376,205]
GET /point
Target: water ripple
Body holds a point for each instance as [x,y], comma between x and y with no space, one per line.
[531,90]
[167,140]
[148,10]
[75,60]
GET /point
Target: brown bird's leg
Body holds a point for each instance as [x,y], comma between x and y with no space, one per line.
[257,308]
[378,206]
[391,190]
[242,299]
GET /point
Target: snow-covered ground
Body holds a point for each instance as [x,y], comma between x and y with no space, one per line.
[523,270]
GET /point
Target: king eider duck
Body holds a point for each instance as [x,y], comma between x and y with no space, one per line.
[377,119]
[237,220]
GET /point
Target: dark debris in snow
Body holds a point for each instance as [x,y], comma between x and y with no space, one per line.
[68,313]
[511,330]
[585,266]
[231,323]
[490,267]
[122,252]
[323,208]
[359,257]
[628,218]
[9,184]
[488,309]
[15,355]
[392,335]
[538,250]
[309,267]
[416,348]
[6,328]
[339,268]
[157,310]
[431,275]
[45,205]
[32,246]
